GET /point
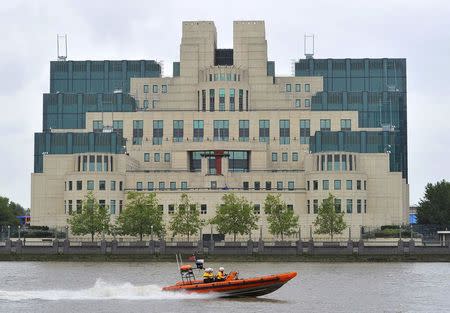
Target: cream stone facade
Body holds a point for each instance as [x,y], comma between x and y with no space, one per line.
[214,129]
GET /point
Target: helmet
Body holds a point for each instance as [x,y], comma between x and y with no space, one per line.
[208,270]
[221,269]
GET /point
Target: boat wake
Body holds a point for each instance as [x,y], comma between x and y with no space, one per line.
[101,291]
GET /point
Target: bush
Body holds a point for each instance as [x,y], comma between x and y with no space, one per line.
[390,227]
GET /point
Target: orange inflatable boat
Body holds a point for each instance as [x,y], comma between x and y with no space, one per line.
[232,286]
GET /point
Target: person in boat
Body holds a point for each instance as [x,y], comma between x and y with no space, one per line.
[208,275]
[221,274]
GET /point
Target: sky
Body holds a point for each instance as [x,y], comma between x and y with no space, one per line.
[416,30]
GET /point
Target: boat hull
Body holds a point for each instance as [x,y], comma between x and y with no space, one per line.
[250,287]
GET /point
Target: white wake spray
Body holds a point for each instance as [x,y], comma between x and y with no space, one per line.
[101,291]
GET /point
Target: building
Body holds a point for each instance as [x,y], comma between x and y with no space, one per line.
[225,122]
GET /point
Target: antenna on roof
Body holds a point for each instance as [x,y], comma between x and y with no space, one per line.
[308,47]
[61,47]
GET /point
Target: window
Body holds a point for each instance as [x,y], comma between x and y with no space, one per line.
[221,130]
[245,185]
[264,130]
[274,157]
[358,185]
[221,99]
[92,163]
[79,184]
[307,103]
[325,125]
[173,185]
[284,132]
[349,205]
[145,88]
[102,185]
[241,100]
[305,131]
[203,209]
[145,104]
[102,203]
[112,206]
[268,185]
[315,206]
[70,207]
[344,162]
[346,125]
[120,206]
[297,88]
[118,127]
[161,208]
[139,186]
[184,185]
[350,162]
[337,205]
[337,162]
[198,130]
[150,186]
[337,184]
[97,126]
[243,130]
[158,132]
[213,184]
[325,184]
[294,156]
[257,209]
[211,100]
[204,100]
[166,157]
[279,185]
[178,131]
[329,162]
[105,163]
[365,185]
[288,87]
[120,185]
[138,132]
[146,157]
[257,185]
[358,206]
[90,185]
[307,88]
[84,163]
[349,184]
[99,163]
[308,185]
[79,206]
[290,185]
[162,185]
[156,157]
[308,206]
[232,101]
[171,209]
[155,103]
[113,185]
[238,161]
[164,88]
[246,100]
[315,185]
[155,88]
[284,157]
[365,206]
[290,207]
[297,103]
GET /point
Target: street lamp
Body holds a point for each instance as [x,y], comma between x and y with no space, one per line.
[9,232]
[151,232]
[19,231]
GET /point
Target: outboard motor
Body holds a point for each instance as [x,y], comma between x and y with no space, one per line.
[199,263]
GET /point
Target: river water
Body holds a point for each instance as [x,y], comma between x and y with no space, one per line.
[136,287]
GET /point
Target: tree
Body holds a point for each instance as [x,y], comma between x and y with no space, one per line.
[282,221]
[328,220]
[235,216]
[93,218]
[142,216]
[8,212]
[186,220]
[434,208]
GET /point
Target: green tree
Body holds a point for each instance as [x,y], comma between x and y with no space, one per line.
[142,216]
[328,221]
[235,216]
[434,208]
[282,221]
[7,212]
[93,218]
[186,220]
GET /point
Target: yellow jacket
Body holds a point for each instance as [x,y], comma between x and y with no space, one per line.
[220,275]
[208,275]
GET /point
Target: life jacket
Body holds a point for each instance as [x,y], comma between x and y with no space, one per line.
[220,275]
[207,275]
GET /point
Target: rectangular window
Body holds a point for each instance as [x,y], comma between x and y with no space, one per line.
[204,100]
[84,163]
[171,209]
[298,88]
[184,185]
[105,163]
[79,185]
[198,130]
[221,132]
[308,184]
[285,132]
[243,130]
[350,162]
[337,184]
[337,205]
[294,156]
[257,185]
[246,100]
[164,88]
[329,162]
[315,185]
[297,103]
[203,209]
[365,185]
[79,206]
[97,126]
[90,185]
[173,185]
[344,162]
[346,125]
[245,185]
[120,206]
[232,101]
[145,104]
[288,88]
[150,186]
[102,185]
[112,206]
[365,206]
[155,88]
[145,88]
[102,203]
[279,185]
[349,184]
[349,205]
[92,163]
[264,130]
[166,157]
[257,209]
[322,163]
[307,103]
[138,132]
[305,130]
[290,207]
[211,100]
[155,103]
[241,100]
[274,157]
[325,125]
[284,157]
[307,88]
[325,184]
[158,132]
[268,185]
[70,207]
[221,99]
[308,206]
[118,127]
[178,130]
[358,206]
[358,185]
[213,185]
[99,163]
[162,185]
[161,208]
[120,185]
[337,162]
[113,185]
[290,185]
[146,157]
[139,186]
[156,157]
[315,206]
